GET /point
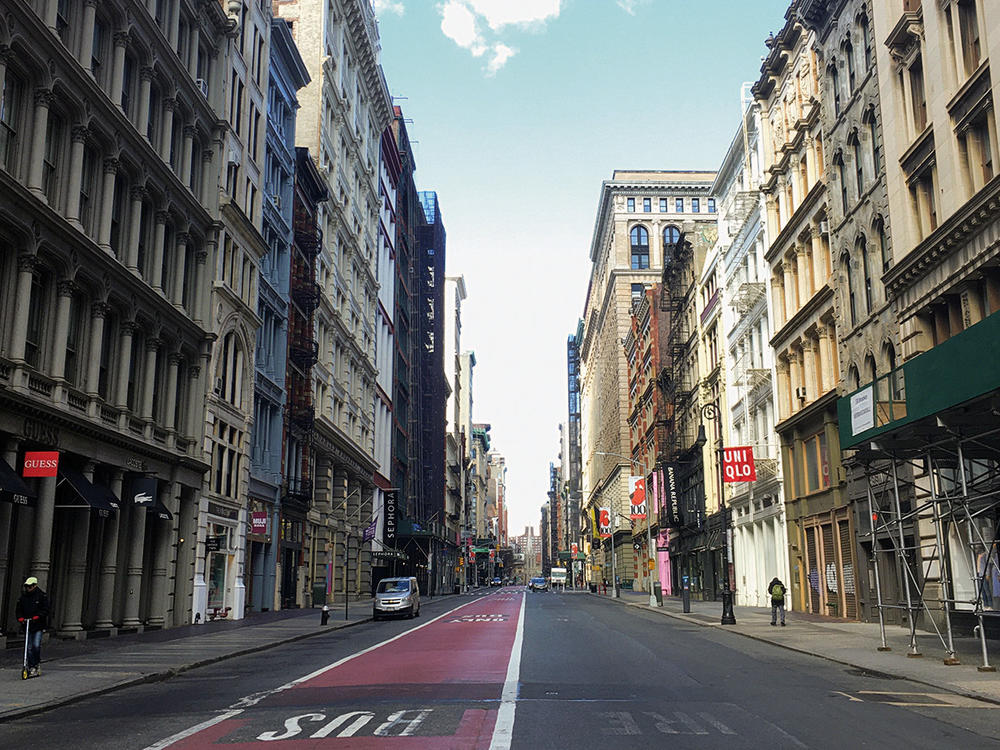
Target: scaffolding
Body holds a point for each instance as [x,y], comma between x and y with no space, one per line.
[932,491]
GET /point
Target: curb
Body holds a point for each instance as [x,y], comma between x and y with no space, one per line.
[947,688]
[165,674]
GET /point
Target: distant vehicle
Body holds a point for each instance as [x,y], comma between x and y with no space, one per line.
[496,582]
[396,596]
[558,577]
[538,584]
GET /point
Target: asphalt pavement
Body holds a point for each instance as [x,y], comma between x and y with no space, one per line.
[74,670]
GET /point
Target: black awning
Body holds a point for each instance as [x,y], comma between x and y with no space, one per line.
[98,498]
[12,487]
[158,509]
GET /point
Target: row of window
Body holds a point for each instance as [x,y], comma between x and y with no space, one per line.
[694,205]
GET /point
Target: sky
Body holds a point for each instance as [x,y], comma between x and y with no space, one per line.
[519,110]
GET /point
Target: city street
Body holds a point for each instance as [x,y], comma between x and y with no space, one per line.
[506,668]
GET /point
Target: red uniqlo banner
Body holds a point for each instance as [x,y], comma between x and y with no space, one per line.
[737,465]
[41,463]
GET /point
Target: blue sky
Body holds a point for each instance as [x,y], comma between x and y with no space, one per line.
[520,109]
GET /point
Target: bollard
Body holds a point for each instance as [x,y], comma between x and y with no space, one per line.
[324,615]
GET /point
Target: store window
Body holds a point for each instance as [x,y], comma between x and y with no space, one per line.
[815,463]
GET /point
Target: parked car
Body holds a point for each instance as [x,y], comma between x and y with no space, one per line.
[396,596]
[538,584]
[496,582]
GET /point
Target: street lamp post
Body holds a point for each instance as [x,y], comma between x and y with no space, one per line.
[711,411]
[653,601]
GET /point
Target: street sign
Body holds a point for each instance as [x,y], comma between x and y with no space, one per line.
[737,465]
[651,564]
[663,549]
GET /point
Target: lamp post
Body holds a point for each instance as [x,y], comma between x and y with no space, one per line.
[711,411]
[653,602]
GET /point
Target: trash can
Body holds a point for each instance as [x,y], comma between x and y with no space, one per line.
[593,588]
[319,594]
[659,593]
[458,589]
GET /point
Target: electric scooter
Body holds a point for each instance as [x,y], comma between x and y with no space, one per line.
[25,672]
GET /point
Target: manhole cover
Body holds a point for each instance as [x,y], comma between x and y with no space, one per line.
[872,673]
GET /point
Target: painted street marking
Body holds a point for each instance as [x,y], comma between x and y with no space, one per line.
[503,730]
[482,618]
[625,723]
[398,724]
[926,700]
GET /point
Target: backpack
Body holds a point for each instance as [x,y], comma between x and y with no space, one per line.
[777,593]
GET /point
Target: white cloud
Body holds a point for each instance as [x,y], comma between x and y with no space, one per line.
[478,25]
[629,6]
[389,6]
[501,54]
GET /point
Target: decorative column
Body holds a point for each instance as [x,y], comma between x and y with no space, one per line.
[156,262]
[142,118]
[773,227]
[186,152]
[180,259]
[25,272]
[98,312]
[133,571]
[819,265]
[87,35]
[192,61]
[174,360]
[5,54]
[79,137]
[107,204]
[149,378]
[778,300]
[118,68]
[52,17]
[809,375]
[162,542]
[109,557]
[65,290]
[789,286]
[196,405]
[136,196]
[173,25]
[76,583]
[40,128]
[206,174]
[41,547]
[128,329]
[10,448]
[804,273]
[167,129]
[203,288]
[826,378]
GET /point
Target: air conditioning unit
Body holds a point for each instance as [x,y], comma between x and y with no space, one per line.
[276,200]
[800,393]
[202,85]
[219,386]
[824,227]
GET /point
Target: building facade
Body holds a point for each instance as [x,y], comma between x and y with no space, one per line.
[110,160]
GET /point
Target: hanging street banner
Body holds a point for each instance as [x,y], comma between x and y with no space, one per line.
[637,497]
[258,522]
[369,532]
[389,533]
[670,498]
[737,465]
[574,548]
[604,522]
[144,491]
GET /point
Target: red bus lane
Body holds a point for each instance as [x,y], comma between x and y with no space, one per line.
[436,686]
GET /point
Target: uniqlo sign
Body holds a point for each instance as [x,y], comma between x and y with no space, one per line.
[737,465]
[41,463]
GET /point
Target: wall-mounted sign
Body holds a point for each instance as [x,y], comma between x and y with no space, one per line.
[389,534]
[258,522]
[670,498]
[862,410]
[144,491]
[41,463]
[214,543]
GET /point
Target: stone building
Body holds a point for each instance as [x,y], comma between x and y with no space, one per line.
[110,156]
[344,110]
[933,411]
[456,433]
[859,237]
[760,546]
[640,217]
[820,535]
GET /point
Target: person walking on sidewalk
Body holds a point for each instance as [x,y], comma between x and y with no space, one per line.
[777,591]
[33,612]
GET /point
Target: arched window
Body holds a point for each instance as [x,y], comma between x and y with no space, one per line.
[871,371]
[845,266]
[671,236]
[866,41]
[639,238]
[862,252]
[895,376]
[878,227]
[838,159]
[853,378]
[835,87]
[859,162]
[229,374]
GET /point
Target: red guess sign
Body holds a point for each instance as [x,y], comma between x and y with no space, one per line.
[41,463]
[737,465]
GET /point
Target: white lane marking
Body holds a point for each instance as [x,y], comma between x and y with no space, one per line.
[255,698]
[503,731]
[193,730]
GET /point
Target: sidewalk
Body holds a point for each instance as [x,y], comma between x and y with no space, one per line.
[73,670]
[854,644]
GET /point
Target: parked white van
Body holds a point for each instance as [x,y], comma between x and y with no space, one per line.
[396,596]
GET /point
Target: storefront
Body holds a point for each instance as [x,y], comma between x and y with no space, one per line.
[226,592]
[291,559]
[260,556]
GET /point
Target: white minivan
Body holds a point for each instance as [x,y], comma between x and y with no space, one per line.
[396,596]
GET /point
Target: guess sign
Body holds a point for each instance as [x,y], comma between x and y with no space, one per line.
[737,465]
[41,463]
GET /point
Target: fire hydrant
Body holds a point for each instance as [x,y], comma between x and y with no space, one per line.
[324,615]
